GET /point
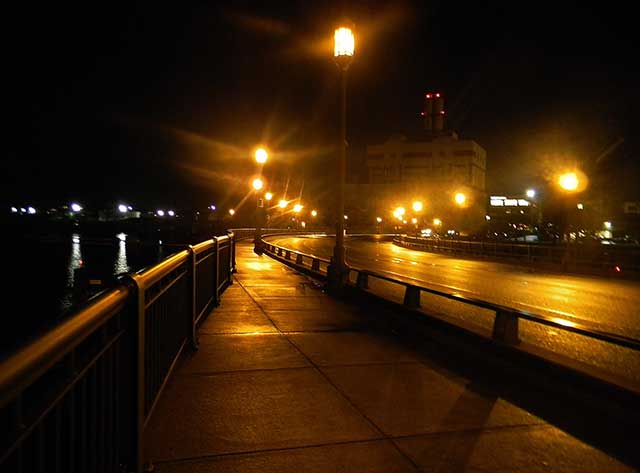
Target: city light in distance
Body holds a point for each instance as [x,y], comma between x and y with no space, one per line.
[580,206]
[76,207]
[417,206]
[282,204]
[379,219]
[346,217]
[298,208]
[531,193]
[460,198]
[160,213]
[314,213]
[171,213]
[414,220]
[608,225]
[437,221]
[123,208]
[212,207]
[232,212]
[268,196]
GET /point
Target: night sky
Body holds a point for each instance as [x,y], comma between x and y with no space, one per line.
[162,103]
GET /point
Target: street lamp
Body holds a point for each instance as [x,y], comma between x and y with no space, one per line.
[460,198]
[343,51]
[261,156]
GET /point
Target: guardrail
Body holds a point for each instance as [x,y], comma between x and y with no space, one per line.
[506,319]
[246,233]
[572,254]
[78,397]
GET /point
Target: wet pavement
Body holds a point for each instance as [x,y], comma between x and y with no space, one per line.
[287,379]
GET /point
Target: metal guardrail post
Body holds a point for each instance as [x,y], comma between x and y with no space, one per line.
[412,297]
[287,255]
[362,281]
[298,258]
[315,265]
[505,328]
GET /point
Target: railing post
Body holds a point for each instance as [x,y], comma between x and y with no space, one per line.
[412,297]
[232,241]
[298,258]
[287,255]
[192,282]
[363,280]
[315,265]
[140,378]
[505,327]
[216,271]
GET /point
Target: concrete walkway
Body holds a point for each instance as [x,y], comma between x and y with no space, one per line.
[289,380]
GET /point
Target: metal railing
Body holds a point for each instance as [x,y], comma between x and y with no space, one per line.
[246,233]
[506,319]
[572,254]
[78,397]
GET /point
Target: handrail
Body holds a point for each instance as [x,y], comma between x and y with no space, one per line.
[104,368]
[28,364]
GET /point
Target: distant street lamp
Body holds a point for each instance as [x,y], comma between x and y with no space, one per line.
[531,193]
[417,206]
[344,48]
[257,184]
[232,212]
[268,196]
[569,181]
[261,156]
[282,204]
[460,198]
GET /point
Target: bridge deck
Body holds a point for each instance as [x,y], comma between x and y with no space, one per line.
[287,380]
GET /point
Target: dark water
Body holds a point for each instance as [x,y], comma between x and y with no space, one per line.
[43,285]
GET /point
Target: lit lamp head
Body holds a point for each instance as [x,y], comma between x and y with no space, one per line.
[568,181]
[268,196]
[257,184]
[282,204]
[261,155]
[417,206]
[343,46]
[460,198]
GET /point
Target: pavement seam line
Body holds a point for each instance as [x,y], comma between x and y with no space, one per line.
[331,383]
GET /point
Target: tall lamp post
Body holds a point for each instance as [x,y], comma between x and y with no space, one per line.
[344,47]
[261,155]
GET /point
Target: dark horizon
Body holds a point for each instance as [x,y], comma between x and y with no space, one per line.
[163,105]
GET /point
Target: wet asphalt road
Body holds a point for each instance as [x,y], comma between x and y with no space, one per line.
[608,304]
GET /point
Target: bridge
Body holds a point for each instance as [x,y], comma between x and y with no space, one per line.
[218,359]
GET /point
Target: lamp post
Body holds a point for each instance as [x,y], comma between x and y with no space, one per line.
[261,155]
[344,47]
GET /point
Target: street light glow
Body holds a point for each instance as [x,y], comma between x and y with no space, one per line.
[76,207]
[460,198]
[531,193]
[379,219]
[344,42]
[122,208]
[282,204]
[314,213]
[261,155]
[257,184]
[437,222]
[232,212]
[414,220]
[298,208]
[568,181]
[417,206]
[268,196]
[608,225]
